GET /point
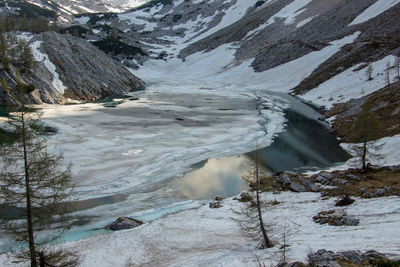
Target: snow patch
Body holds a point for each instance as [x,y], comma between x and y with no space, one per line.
[374,10]
[352,84]
[41,57]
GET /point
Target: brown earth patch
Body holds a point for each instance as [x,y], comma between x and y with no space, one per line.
[370,181]
[385,104]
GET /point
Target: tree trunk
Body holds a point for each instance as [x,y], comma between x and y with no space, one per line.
[32,250]
[364,155]
[267,242]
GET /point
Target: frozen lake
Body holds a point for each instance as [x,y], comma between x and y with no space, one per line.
[176,146]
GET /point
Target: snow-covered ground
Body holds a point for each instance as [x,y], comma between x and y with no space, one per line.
[210,237]
[195,110]
[351,84]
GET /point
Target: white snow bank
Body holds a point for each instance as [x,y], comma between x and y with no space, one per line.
[374,10]
[219,66]
[41,57]
[290,12]
[352,84]
[205,236]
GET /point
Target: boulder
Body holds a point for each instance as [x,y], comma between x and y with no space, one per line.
[334,218]
[309,184]
[297,187]
[124,223]
[326,258]
[215,205]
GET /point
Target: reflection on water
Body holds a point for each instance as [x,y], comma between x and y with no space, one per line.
[217,177]
[304,145]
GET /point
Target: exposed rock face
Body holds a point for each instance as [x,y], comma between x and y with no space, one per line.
[87,72]
[123,223]
[83,72]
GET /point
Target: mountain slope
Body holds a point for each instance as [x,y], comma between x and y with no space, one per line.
[67,68]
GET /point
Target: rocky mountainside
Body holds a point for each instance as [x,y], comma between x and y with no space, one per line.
[319,42]
[269,33]
[66,68]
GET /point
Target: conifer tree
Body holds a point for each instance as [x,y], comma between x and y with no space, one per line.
[252,220]
[365,129]
[34,182]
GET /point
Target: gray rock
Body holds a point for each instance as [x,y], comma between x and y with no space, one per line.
[285,179]
[324,178]
[324,258]
[124,223]
[309,184]
[297,187]
[353,256]
[339,181]
[379,192]
[350,221]
[334,218]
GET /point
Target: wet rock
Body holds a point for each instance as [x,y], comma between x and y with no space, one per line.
[215,205]
[124,223]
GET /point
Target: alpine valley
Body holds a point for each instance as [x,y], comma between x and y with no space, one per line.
[163,106]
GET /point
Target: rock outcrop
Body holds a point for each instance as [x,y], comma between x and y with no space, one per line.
[68,68]
[335,218]
[123,223]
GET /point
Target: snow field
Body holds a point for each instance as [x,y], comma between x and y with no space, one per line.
[204,236]
[374,10]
